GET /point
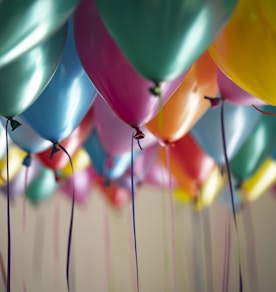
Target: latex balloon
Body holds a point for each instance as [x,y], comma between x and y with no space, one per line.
[42,187]
[26,138]
[65,100]
[82,185]
[107,166]
[121,86]
[26,23]
[187,104]
[245,51]
[71,144]
[269,10]
[115,134]
[233,93]
[80,162]
[211,188]
[258,145]
[16,156]
[23,79]
[172,35]
[260,181]
[239,121]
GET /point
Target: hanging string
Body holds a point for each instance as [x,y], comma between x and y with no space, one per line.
[264,112]
[71,216]
[8,212]
[231,190]
[168,161]
[133,214]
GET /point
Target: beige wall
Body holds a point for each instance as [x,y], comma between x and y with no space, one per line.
[38,262]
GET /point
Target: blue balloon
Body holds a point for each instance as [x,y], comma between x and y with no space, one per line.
[66,99]
[109,167]
[239,121]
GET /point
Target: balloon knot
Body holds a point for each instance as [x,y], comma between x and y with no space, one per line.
[106,182]
[55,149]
[14,124]
[156,89]
[238,184]
[214,101]
[139,134]
[27,160]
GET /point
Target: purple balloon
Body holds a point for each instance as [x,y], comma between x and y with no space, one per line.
[119,84]
[233,93]
[115,134]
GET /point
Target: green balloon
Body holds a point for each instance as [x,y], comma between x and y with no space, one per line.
[23,79]
[42,187]
[25,23]
[256,148]
[162,38]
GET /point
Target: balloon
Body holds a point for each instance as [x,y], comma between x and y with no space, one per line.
[239,121]
[17,185]
[187,104]
[269,11]
[25,137]
[171,35]
[26,23]
[245,51]
[107,166]
[233,93]
[211,188]
[65,100]
[260,181]
[115,134]
[23,79]
[71,144]
[121,86]
[82,185]
[258,145]
[42,187]
[80,161]
[16,156]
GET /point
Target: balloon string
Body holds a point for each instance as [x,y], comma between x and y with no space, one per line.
[8,212]
[71,218]
[264,112]
[25,200]
[133,215]
[168,160]
[3,271]
[231,189]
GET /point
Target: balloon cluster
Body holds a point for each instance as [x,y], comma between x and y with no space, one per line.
[85,79]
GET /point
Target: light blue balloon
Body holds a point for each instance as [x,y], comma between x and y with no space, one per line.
[239,121]
[25,137]
[110,167]
[66,99]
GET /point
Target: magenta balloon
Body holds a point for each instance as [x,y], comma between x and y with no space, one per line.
[121,86]
[114,133]
[233,93]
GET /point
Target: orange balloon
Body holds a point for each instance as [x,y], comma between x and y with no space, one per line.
[187,104]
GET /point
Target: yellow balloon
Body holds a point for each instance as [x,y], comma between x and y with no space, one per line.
[269,10]
[80,161]
[16,157]
[210,188]
[245,50]
[261,181]
[182,196]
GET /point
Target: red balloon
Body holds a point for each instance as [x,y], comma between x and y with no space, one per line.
[71,144]
[119,84]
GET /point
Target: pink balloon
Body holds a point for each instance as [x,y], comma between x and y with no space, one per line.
[115,134]
[233,93]
[119,84]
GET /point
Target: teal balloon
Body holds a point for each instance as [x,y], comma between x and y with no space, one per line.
[22,80]
[42,187]
[162,38]
[256,148]
[26,23]
[239,122]
[66,99]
